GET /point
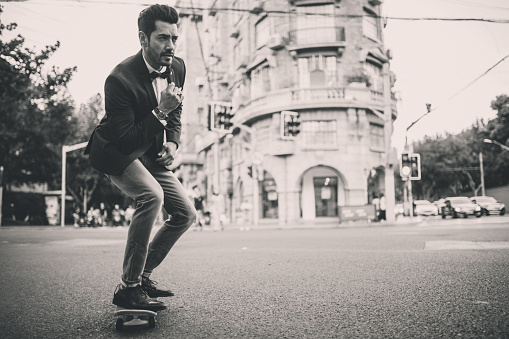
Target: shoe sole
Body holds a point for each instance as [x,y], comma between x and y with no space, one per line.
[148,308]
[160,295]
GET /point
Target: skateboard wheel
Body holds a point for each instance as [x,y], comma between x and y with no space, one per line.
[151,322]
[120,324]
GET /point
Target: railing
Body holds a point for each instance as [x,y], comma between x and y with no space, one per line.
[295,98]
[314,35]
[327,93]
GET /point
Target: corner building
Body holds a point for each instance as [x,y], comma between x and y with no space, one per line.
[321,59]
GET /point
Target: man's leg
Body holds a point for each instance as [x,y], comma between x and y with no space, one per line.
[182,215]
[137,183]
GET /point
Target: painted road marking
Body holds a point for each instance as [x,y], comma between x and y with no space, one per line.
[437,245]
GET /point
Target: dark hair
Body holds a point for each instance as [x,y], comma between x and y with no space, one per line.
[148,17]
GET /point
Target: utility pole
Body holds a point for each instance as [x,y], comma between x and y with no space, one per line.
[1,191]
[390,196]
[483,190]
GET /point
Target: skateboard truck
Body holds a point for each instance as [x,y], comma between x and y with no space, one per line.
[130,317]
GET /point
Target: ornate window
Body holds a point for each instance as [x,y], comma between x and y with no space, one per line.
[262,32]
[370,25]
[319,133]
[376,137]
[318,71]
[375,75]
[315,24]
[260,81]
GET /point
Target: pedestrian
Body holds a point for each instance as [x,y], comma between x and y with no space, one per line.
[135,143]
[383,207]
[117,216]
[199,205]
[129,211]
[216,209]
[90,217]
[376,203]
[79,220]
[103,215]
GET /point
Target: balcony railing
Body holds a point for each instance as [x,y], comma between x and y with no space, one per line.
[303,98]
[317,35]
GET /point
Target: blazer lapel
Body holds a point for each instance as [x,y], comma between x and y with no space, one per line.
[145,78]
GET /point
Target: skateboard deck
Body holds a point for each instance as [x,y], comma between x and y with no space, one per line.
[127,317]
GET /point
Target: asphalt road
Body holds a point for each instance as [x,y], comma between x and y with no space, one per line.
[434,279]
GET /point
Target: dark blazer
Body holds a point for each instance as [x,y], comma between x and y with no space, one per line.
[129,129]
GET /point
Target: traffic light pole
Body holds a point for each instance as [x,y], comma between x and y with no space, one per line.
[390,197]
[255,174]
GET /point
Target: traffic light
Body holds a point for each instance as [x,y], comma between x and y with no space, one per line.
[415,166]
[290,125]
[410,166]
[404,166]
[220,115]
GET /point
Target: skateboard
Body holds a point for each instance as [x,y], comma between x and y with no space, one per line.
[127,317]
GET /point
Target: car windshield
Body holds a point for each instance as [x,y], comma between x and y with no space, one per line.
[422,202]
[460,201]
[485,199]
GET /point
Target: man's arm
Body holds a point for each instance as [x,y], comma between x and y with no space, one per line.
[126,134]
[174,122]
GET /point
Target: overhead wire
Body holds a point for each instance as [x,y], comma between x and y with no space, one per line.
[287,12]
[430,109]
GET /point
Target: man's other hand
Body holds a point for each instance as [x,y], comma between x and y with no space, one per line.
[167,154]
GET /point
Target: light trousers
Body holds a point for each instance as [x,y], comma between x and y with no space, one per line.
[152,186]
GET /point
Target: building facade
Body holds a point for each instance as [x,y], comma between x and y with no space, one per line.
[323,60]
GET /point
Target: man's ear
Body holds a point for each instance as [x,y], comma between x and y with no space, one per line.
[143,39]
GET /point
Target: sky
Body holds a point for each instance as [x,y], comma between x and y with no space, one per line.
[435,62]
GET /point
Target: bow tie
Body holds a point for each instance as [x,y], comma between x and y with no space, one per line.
[163,75]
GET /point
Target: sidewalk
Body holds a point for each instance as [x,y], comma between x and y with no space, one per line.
[321,223]
[263,225]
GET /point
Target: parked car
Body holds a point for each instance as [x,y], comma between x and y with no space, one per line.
[456,206]
[439,204]
[424,207]
[489,205]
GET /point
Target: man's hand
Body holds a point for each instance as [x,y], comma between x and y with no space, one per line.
[167,154]
[171,98]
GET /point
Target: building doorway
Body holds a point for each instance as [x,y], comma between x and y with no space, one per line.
[326,196]
[323,189]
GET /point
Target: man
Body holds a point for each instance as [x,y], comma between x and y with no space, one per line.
[135,142]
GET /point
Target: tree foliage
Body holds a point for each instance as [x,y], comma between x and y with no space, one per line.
[36,112]
[83,180]
[39,117]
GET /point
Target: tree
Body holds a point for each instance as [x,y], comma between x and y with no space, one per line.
[451,165]
[83,179]
[36,112]
[497,164]
[500,130]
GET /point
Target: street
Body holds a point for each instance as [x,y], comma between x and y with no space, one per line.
[436,278]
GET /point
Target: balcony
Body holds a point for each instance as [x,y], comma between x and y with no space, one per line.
[315,37]
[308,98]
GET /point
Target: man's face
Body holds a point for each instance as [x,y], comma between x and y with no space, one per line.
[160,48]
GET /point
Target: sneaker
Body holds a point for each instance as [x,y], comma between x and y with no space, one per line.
[136,298]
[150,287]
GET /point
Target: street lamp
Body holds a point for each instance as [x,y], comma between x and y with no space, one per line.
[489,141]
[65,149]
